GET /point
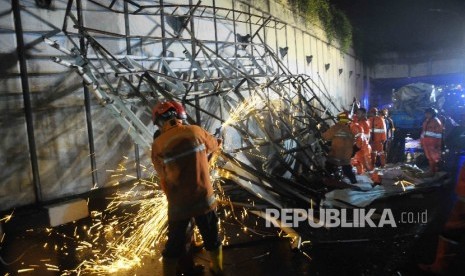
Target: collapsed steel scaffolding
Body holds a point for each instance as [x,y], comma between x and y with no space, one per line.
[240,90]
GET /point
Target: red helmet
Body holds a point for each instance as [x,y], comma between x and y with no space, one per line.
[166,109]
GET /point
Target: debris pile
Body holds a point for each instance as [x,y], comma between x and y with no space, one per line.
[414,98]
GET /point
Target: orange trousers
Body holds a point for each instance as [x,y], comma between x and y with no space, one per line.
[456,218]
[377,149]
[362,160]
[432,148]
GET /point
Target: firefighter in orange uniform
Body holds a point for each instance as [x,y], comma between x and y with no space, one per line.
[342,141]
[452,235]
[362,159]
[377,138]
[359,137]
[431,139]
[180,157]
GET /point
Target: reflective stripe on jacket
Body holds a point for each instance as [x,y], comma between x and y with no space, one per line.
[432,128]
[342,141]
[365,124]
[378,129]
[432,134]
[359,136]
[182,154]
[179,155]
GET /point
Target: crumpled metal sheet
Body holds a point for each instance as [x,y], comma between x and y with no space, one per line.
[395,181]
[414,98]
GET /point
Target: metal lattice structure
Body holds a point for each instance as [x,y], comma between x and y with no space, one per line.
[270,119]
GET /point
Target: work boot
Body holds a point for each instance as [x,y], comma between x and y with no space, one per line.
[188,267]
[195,269]
[444,256]
[456,218]
[216,266]
[373,159]
[382,159]
[169,266]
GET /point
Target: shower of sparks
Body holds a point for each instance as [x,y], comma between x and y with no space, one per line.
[130,237]
[243,110]
[134,223]
[117,242]
[263,112]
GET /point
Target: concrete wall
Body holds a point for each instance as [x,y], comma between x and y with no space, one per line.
[394,70]
[61,128]
[394,65]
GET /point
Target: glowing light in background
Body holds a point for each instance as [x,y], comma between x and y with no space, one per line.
[365,100]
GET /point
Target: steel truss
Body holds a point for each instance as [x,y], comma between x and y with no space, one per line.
[269,118]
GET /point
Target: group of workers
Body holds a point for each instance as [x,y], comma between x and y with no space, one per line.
[370,136]
[180,155]
[363,141]
[359,141]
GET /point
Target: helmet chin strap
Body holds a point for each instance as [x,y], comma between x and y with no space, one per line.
[172,122]
[161,122]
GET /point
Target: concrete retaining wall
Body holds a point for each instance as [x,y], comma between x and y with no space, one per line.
[394,65]
[59,119]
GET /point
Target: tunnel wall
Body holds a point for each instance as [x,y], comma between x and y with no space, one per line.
[419,64]
[51,157]
[394,70]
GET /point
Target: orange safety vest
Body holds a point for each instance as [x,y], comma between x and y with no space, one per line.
[359,136]
[365,124]
[342,141]
[378,129]
[179,155]
[432,128]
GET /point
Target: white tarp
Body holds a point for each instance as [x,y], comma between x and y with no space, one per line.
[414,98]
[363,194]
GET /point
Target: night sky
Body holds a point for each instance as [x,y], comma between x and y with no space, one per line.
[405,25]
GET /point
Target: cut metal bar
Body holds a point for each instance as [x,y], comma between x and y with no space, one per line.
[90,130]
[27,101]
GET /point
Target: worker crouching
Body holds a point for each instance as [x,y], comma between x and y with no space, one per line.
[342,141]
[431,139]
[180,157]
